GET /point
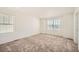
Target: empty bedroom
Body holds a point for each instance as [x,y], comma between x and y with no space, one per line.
[39,29]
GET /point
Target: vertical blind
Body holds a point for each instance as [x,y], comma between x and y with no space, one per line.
[6,23]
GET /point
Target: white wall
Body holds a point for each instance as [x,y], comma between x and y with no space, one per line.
[27,26]
[24,26]
[66,28]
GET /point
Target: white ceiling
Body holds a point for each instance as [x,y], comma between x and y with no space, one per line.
[37,11]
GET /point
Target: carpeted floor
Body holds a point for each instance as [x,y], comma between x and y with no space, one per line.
[40,43]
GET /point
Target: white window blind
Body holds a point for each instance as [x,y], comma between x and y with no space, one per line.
[53,24]
[6,23]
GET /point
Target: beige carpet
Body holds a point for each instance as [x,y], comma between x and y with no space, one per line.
[40,43]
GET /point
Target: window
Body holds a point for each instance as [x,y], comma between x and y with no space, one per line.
[53,23]
[6,23]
